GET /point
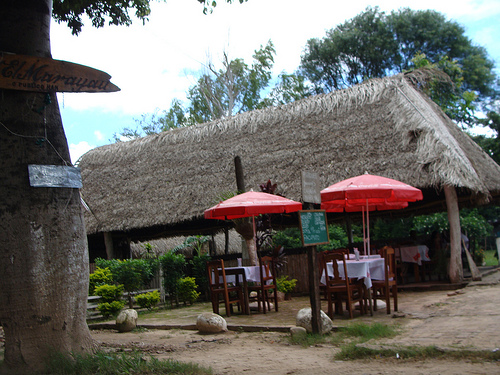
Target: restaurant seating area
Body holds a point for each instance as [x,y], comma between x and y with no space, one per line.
[350,284]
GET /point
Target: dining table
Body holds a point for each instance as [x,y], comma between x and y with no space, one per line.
[368,268]
[242,275]
[415,254]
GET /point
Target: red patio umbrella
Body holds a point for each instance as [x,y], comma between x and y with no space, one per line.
[368,193]
[251,204]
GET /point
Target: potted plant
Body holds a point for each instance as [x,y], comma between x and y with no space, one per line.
[285,286]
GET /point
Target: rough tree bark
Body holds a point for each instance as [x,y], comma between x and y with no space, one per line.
[43,247]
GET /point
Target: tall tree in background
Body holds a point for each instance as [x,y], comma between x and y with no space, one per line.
[233,89]
[374,44]
[43,244]
[491,145]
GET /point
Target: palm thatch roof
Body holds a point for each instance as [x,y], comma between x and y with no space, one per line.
[161,184]
[161,246]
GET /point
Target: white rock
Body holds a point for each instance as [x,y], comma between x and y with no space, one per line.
[211,323]
[298,332]
[304,318]
[126,320]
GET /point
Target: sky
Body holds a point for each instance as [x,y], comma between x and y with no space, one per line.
[158,61]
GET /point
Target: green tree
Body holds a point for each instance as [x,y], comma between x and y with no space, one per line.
[491,145]
[376,44]
[44,259]
[233,89]
[133,274]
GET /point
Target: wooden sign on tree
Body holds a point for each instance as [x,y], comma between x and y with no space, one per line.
[41,74]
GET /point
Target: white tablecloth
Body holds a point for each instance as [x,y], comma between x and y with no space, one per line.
[375,256]
[251,273]
[366,269]
[414,254]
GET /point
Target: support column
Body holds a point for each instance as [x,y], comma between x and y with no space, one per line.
[455,270]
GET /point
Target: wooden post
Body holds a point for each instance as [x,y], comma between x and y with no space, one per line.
[108,243]
[455,271]
[314,295]
[240,181]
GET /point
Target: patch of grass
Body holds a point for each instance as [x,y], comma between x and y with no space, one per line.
[367,332]
[133,363]
[357,332]
[490,258]
[354,351]
[311,339]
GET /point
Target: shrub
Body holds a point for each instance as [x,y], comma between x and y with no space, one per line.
[100,277]
[108,309]
[284,285]
[172,265]
[186,289]
[109,293]
[148,300]
[199,264]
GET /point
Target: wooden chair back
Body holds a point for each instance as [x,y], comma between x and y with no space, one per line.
[389,256]
[335,280]
[384,289]
[340,288]
[267,270]
[216,274]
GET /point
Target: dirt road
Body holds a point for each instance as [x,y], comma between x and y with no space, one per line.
[465,319]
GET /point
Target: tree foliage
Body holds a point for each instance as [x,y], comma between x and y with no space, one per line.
[115,12]
[235,88]
[375,44]
[491,145]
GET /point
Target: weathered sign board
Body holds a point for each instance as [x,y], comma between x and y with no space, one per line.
[310,187]
[54,176]
[40,74]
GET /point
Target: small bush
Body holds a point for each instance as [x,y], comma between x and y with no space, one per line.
[108,309]
[100,277]
[186,288]
[284,285]
[109,293]
[148,300]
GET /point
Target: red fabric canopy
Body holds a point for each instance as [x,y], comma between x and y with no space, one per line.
[357,205]
[368,186]
[251,203]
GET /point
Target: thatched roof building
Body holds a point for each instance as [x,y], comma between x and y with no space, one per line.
[159,185]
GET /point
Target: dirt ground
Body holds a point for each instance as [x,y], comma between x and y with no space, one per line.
[464,319]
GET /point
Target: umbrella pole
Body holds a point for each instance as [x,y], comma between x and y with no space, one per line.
[368,226]
[364,230]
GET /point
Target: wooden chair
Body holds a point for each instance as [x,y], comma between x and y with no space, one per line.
[384,289]
[320,259]
[266,285]
[401,269]
[339,290]
[231,294]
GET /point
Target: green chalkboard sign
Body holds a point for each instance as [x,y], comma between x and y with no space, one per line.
[313,227]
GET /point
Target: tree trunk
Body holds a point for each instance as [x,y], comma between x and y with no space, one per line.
[43,246]
[455,271]
[245,228]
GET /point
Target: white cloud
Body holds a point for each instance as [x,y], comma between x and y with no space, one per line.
[99,136]
[154,63]
[77,150]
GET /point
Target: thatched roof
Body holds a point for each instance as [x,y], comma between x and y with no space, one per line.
[162,183]
[162,245]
